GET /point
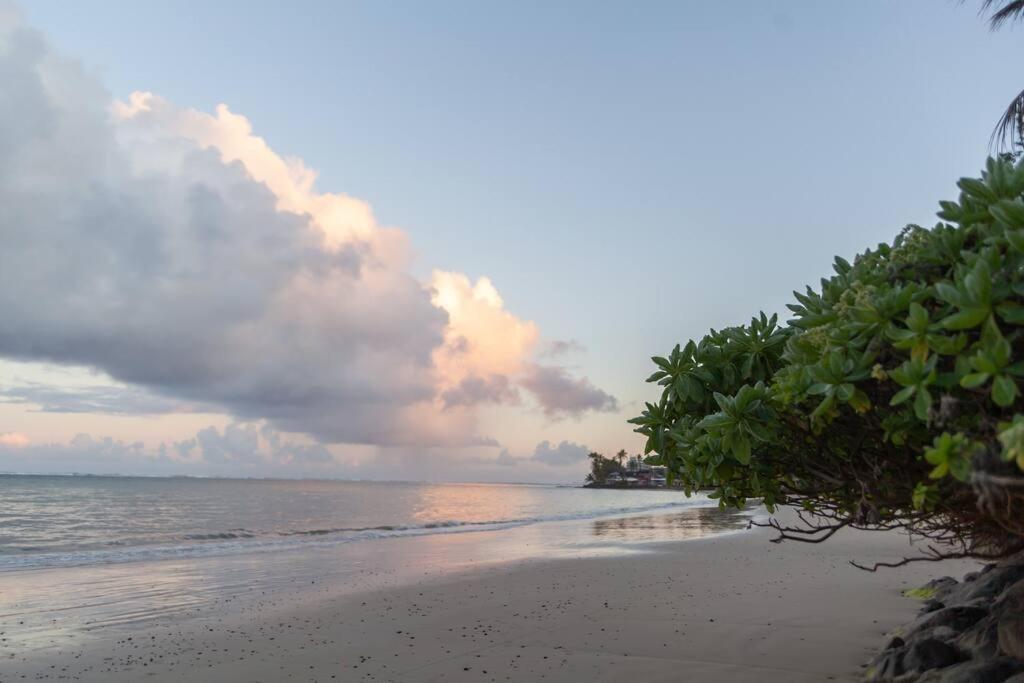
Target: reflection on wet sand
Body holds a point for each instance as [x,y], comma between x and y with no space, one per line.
[690,523]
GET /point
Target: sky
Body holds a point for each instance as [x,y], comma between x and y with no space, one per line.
[436,240]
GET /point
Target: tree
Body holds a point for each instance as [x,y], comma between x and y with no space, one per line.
[601,467]
[891,399]
[621,456]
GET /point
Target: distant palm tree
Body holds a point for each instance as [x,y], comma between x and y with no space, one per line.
[1009,131]
[621,456]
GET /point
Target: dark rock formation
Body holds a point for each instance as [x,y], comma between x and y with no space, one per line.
[969,631]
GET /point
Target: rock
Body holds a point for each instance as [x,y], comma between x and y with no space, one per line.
[981,640]
[984,671]
[899,663]
[993,580]
[1012,598]
[969,632]
[941,583]
[1010,630]
[884,666]
[930,653]
[895,643]
[958,617]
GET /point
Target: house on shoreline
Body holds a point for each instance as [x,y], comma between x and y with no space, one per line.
[638,474]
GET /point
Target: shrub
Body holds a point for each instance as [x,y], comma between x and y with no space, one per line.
[890,399]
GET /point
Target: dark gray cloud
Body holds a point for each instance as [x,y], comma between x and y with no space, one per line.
[110,400]
[560,347]
[565,453]
[562,395]
[474,390]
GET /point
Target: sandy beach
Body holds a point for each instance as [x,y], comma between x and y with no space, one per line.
[724,608]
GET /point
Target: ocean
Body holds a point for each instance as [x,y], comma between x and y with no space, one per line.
[67,521]
[86,559]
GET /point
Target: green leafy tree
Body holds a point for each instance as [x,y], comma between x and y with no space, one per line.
[892,398]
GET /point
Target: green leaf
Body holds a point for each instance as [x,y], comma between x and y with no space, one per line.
[977,189]
[1016,239]
[973,380]
[922,402]
[860,401]
[902,395]
[965,319]
[960,468]
[918,318]
[948,293]
[1012,313]
[1008,212]
[741,450]
[1004,390]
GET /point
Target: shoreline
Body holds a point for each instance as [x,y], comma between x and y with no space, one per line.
[728,607]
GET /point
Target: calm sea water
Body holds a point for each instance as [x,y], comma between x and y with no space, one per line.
[48,521]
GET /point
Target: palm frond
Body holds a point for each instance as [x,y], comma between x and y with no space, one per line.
[1009,131]
[1002,11]
[1008,134]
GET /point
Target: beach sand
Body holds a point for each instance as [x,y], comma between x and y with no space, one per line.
[726,608]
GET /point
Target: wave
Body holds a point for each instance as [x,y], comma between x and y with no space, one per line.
[239,541]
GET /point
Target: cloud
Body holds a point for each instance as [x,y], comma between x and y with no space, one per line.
[236,443]
[13,439]
[475,390]
[179,254]
[559,347]
[112,400]
[482,338]
[506,459]
[562,395]
[246,443]
[238,449]
[83,453]
[258,450]
[565,453]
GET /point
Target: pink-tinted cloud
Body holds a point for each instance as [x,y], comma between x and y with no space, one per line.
[14,439]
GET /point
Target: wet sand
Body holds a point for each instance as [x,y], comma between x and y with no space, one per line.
[724,608]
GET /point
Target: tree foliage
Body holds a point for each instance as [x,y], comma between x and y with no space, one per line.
[601,467]
[892,397]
